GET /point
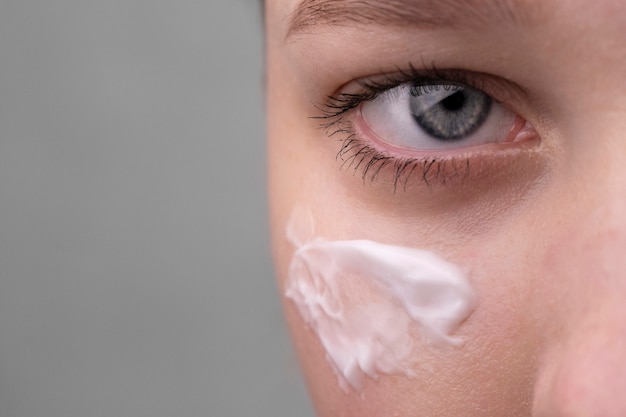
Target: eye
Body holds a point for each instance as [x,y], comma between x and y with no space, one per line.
[438,117]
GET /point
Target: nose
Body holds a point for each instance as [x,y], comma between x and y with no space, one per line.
[582,372]
[587,376]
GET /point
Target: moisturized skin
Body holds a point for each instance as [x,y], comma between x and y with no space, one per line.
[369,301]
[519,177]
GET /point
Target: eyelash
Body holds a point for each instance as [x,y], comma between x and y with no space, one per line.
[358,155]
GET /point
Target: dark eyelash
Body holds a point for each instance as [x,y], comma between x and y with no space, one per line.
[423,81]
[358,155]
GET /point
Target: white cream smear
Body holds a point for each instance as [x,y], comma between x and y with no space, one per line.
[370,302]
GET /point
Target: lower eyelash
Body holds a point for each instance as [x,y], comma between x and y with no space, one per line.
[357,155]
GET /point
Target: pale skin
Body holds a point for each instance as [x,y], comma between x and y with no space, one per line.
[538,218]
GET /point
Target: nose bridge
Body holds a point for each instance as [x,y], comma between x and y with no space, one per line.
[599,197]
[585,364]
[602,254]
[608,223]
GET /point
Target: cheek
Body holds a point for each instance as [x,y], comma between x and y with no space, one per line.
[369,303]
[491,374]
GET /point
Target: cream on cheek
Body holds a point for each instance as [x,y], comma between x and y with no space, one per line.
[370,303]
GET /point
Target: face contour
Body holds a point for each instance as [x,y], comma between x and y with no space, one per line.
[518,176]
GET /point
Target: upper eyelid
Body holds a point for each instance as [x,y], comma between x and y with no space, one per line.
[351,94]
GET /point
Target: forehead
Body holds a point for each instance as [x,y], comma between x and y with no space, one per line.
[426,13]
[307,15]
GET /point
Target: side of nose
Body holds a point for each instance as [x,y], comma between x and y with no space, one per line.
[587,375]
[583,369]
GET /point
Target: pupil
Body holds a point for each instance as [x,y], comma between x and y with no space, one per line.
[454,102]
[450,117]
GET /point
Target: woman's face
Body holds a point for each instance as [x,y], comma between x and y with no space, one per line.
[517,176]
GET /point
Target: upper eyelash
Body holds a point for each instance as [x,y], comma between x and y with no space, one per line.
[337,106]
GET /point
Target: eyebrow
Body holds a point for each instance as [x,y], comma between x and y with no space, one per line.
[420,13]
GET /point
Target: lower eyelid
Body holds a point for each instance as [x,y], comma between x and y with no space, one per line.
[522,130]
[400,175]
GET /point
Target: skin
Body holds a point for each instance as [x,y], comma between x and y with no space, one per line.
[540,224]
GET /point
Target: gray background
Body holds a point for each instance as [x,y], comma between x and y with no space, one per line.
[135,277]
